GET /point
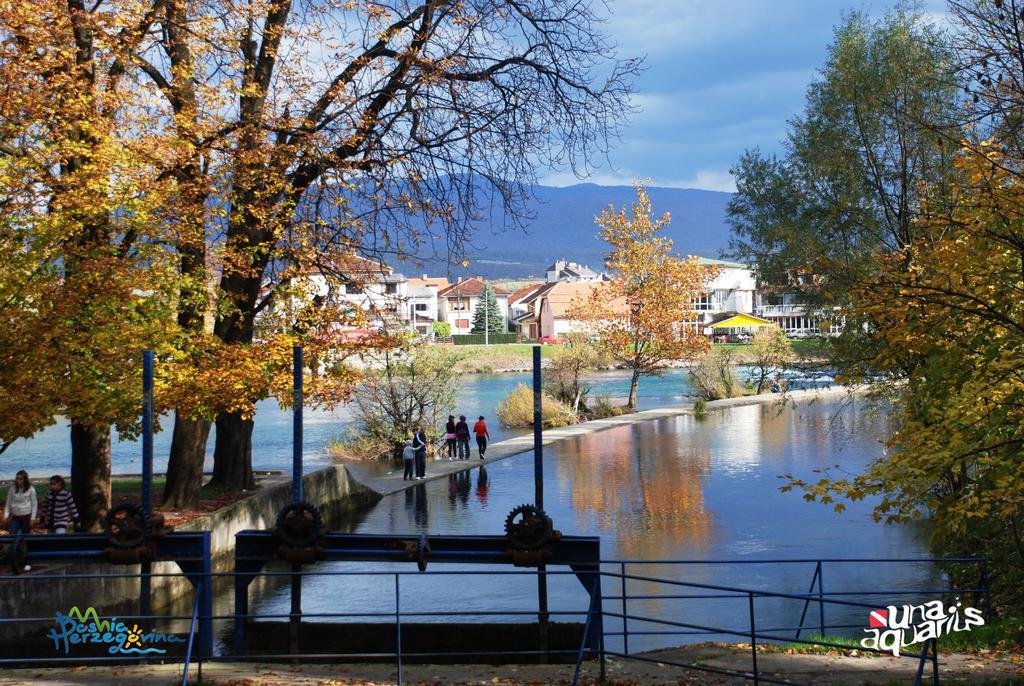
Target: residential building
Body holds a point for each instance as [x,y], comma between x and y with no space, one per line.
[519,304]
[422,303]
[787,310]
[572,272]
[367,284]
[458,303]
[548,309]
[732,290]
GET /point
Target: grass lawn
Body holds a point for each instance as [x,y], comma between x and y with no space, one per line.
[118,488]
[1005,634]
[523,350]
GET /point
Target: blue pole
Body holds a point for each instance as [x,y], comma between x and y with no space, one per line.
[538,488]
[297,424]
[147,431]
[147,470]
[538,441]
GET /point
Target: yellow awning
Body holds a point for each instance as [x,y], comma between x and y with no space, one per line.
[741,321]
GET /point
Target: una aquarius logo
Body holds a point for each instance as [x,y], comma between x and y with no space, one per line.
[895,627]
[78,628]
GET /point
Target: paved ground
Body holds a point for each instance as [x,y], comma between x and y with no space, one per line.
[436,469]
[799,669]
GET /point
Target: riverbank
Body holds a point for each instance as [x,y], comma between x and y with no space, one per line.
[518,357]
[652,670]
[392,482]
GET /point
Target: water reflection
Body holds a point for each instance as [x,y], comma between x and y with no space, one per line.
[416,505]
[679,488]
[641,486]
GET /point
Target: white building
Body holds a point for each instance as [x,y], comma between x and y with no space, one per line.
[458,303]
[422,303]
[366,284]
[733,289]
[571,272]
[786,311]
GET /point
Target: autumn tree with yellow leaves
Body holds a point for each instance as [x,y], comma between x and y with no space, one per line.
[172,171]
[644,316]
[953,300]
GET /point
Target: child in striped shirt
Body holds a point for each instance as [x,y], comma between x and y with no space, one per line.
[59,510]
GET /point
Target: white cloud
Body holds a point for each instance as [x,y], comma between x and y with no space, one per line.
[654,26]
[704,179]
[709,180]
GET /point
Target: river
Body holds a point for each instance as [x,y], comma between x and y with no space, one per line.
[48,452]
[675,489]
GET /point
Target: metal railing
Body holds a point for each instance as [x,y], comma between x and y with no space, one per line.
[610,621]
[751,630]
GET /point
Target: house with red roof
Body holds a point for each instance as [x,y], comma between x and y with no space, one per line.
[458,302]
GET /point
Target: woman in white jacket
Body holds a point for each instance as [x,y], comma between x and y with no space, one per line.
[21,505]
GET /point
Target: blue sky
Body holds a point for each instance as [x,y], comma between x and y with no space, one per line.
[722,76]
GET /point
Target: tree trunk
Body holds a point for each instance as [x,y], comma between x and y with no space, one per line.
[90,473]
[185,465]
[634,384]
[232,453]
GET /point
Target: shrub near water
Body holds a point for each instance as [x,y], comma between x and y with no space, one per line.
[516,411]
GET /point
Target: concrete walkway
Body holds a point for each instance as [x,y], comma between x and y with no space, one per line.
[797,668]
[392,483]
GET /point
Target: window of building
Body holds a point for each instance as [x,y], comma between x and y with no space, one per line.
[353,289]
[703,302]
[458,305]
[420,307]
[391,288]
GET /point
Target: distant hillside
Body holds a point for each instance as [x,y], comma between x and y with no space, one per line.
[562,225]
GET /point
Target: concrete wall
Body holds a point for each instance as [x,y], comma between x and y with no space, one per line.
[332,489]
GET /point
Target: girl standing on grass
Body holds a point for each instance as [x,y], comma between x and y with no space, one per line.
[59,511]
[20,508]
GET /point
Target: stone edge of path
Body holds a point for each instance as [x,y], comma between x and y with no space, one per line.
[393,483]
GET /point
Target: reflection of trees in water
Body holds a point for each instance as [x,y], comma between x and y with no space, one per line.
[643,485]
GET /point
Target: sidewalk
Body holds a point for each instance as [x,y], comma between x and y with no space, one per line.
[802,669]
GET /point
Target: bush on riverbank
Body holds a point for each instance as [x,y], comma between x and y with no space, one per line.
[516,411]
[713,375]
[359,449]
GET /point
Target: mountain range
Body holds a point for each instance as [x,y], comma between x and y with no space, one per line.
[560,224]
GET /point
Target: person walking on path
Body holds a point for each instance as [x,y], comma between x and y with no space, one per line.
[59,511]
[482,434]
[449,437]
[419,444]
[408,461]
[462,436]
[20,508]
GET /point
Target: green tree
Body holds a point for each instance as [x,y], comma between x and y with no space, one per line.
[564,372]
[411,387]
[487,316]
[769,354]
[878,124]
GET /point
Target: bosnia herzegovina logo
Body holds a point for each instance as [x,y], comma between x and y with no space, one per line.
[78,628]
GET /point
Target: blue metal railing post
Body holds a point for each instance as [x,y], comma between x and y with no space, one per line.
[821,601]
[538,488]
[625,618]
[145,580]
[297,401]
[986,590]
[807,602]
[585,639]
[191,639]
[753,637]
[295,622]
[398,627]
